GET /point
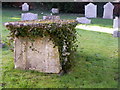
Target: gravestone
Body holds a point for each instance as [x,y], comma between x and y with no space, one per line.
[0,44]
[108,11]
[116,27]
[29,16]
[83,20]
[116,33]
[41,53]
[44,59]
[55,10]
[25,7]
[116,23]
[51,17]
[91,10]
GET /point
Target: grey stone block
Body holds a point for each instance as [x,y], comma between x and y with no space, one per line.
[116,34]
[0,45]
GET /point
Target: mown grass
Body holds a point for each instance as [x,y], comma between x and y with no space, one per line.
[96,62]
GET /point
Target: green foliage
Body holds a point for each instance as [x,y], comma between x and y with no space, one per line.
[61,32]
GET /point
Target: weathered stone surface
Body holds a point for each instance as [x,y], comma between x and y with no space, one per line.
[25,7]
[91,10]
[51,17]
[116,23]
[55,10]
[108,11]
[37,55]
[29,16]
[0,45]
[116,33]
[83,20]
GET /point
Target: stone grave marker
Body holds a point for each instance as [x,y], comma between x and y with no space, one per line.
[116,23]
[40,53]
[25,7]
[55,10]
[108,11]
[91,10]
[0,44]
[116,33]
[51,17]
[29,16]
[83,20]
[44,59]
[116,27]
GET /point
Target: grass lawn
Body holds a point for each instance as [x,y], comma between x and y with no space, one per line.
[96,63]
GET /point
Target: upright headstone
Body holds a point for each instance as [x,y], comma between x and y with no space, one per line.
[108,11]
[91,10]
[25,7]
[116,23]
[29,16]
[55,10]
[116,27]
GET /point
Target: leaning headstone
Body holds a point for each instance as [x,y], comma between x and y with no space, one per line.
[55,10]
[29,16]
[25,7]
[51,17]
[108,11]
[91,10]
[83,20]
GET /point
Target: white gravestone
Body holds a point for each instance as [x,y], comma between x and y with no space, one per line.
[51,17]
[116,23]
[116,27]
[91,10]
[83,20]
[29,16]
[108,11]
[25,7]
[55,10]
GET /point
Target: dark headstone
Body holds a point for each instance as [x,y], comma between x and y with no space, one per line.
[0,45]
[116,34]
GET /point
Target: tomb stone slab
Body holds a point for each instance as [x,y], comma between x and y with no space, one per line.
[83,20]
[29,16]
[38,55]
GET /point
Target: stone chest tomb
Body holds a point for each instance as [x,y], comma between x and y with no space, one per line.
[43,45]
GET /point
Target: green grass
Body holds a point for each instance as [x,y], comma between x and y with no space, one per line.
[96,62]
[102,22]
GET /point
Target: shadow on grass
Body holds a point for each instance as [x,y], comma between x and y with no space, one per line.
[88,71]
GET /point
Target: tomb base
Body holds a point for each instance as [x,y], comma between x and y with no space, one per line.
[37,55]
